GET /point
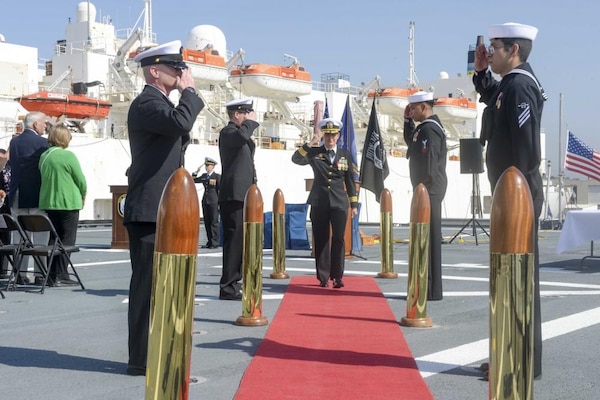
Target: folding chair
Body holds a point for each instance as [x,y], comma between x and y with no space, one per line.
[6,249]
[55,248]
[12,251]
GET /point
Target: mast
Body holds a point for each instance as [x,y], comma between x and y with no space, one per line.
[412,78]
[147,22]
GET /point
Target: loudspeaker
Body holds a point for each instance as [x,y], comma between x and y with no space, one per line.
[471,156]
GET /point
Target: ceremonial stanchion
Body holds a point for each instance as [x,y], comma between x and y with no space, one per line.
[278,237]
[512,257]
[418,261]
[252,260]
[387,238]
[173,290]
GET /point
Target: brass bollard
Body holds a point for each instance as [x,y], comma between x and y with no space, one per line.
[512,257]
[418,261]
[173,290]
[278,236]
[252,260]
[387,236]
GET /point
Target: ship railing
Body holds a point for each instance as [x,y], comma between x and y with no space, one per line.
[334,87]
[123,34]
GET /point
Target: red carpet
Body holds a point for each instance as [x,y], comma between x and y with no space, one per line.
[329,343]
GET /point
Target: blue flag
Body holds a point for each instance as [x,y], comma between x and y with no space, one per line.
[326,112]
[346,140]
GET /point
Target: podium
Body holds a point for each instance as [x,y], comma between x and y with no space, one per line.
[120,239]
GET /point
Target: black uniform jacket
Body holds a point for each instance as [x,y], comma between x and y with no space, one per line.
[236,149]
[328,185]
[211,187]
[426,154]
[511,124]
[158,136]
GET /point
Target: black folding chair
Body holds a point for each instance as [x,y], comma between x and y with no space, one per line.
[12,251]
[32,223]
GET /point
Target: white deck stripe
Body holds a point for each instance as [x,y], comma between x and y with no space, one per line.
[470,353]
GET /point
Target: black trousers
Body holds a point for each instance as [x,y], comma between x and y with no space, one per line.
[434,277]
[65,222]
[211,223]
[141,252]
[232,218]
[329,226]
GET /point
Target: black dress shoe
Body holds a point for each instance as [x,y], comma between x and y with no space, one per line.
[136,371]
[205,246]
[213,247]
[324,284]
[237,296]
[338,284]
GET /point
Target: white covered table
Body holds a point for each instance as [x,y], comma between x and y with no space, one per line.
[580,226]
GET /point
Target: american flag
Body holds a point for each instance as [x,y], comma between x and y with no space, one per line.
[581,158]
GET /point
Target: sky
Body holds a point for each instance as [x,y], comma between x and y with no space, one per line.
[364,39]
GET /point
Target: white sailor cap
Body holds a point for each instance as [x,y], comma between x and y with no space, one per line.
[330,125]
[512,30]
[420,97]
[168,53]
[240,105]
[209,161]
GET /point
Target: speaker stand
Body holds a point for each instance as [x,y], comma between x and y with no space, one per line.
[475,208]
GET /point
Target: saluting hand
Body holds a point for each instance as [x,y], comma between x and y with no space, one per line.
[315,141]
[186,80]
[481,58]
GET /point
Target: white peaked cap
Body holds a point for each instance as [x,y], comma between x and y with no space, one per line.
[240,105]
[330,125]
[168,53]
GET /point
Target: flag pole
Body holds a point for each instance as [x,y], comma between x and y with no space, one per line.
[560,164]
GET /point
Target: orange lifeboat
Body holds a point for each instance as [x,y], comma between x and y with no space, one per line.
[271,81]
[392,100]
[68,105]
[207,66]
[455,108]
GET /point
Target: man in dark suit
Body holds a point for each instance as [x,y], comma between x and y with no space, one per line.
[333,186]
[24,188]
[210,201]
[158,136]
[236,149]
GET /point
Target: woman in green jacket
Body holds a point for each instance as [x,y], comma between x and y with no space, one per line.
[62,194]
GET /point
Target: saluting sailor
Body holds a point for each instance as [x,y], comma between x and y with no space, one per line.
[426,155]
[332,191]
[236,149]
[159,133]
[511,126]
[210,201]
